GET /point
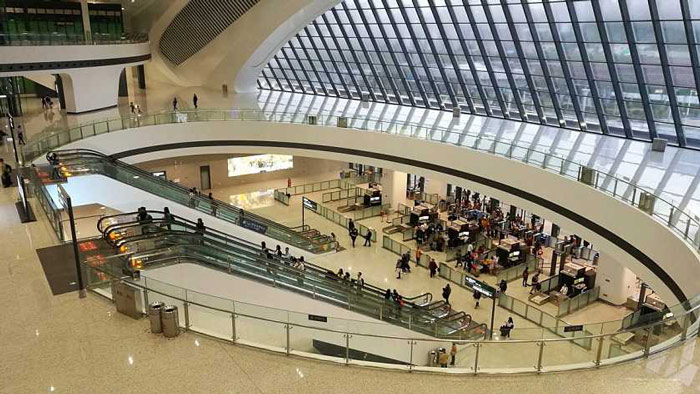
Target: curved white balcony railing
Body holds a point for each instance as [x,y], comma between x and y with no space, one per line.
[602,345]
[682,223]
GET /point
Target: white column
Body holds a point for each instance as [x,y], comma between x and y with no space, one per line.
[393,188]
[91,89]
[615,281]
[433,186]
[86,20]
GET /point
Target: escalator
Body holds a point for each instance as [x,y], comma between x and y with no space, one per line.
[159,241]
[84,162]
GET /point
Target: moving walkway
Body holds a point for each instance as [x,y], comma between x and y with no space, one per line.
[85,161]
[162,241]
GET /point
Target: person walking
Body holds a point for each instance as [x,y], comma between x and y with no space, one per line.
[353,236]
[433,267]
[535,283]
[360,281]
[5,174]
[453,354]
[419,253]
[368,238]
[213,204]
[20,135]
[477,297]
[200,229]
[525,275]
[336,242]
[174,103]
[132,107]
[195,100]
[168,217]
[503,286]
[351,224]
[446,291]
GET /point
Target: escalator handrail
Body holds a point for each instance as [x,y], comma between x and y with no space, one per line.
[209,231]
[335,285]
[251,250]
[181,189]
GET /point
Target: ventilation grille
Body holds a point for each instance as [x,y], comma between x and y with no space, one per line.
[199,22]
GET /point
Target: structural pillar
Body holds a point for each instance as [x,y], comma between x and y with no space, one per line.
[616,282]
[436,186]
[85,12]
[394,188]
[91,89]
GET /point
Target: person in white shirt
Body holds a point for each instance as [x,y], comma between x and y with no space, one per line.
[470,247]
[564,290]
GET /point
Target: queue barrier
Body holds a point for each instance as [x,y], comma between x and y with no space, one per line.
[515,272]
[342,220]
[572,304]
[400,249]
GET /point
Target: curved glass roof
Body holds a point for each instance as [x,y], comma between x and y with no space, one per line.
[626,68]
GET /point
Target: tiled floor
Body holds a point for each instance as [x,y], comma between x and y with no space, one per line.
[64,344]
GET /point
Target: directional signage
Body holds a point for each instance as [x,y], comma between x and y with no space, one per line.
[573,328]
[309,204]
[323,319]
[480,286]
[253,225]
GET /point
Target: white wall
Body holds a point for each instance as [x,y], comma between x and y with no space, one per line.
[237,55]
[394,188]
[272,303]
[91,88]
[679,261]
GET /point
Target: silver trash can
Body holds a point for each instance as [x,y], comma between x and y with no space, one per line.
[154,310]
[169,319]
[432,358]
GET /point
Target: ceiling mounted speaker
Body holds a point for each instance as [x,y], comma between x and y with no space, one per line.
[659,145]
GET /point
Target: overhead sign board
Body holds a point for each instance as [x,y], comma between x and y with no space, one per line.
[480,286]
[323,319]
[253,225]
[573,328]
[309,204]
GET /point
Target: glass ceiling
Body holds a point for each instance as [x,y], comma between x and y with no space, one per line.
[625,68]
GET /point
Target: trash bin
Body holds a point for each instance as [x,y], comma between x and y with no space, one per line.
[154,310]
[169,319]
[432,358]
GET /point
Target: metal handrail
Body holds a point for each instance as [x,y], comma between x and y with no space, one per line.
[37,39]
[84,156]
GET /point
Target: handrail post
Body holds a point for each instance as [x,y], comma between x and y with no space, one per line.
[477,345]
[187,314]
[647,343]
[599,352]
[685,325]
[347,348]
[287,328]
[233,328]
[410,356]
[538,367]
[670,216]
[145,297]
